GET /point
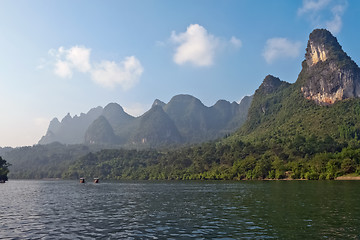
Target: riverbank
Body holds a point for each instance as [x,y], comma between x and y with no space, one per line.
[348,177]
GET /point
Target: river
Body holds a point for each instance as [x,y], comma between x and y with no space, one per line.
[180,210]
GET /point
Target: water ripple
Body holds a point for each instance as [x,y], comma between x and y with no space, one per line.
[178,210]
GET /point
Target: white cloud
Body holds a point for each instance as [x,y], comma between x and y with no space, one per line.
[280,48]
[126,73]
[68,60]
[236,42]
[79,57]
[312,6]
[198,47]
[106,73]
[63,69]
[335,24]
[324,13]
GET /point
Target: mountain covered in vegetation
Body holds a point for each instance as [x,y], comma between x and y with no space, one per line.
[305,130]
[185,119]
[322,102]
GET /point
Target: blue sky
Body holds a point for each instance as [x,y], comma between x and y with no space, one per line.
[60,57]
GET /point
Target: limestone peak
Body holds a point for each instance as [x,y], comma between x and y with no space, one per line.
[269,85]
[328,73]
[321,46]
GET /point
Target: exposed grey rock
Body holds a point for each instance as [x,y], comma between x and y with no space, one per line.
[328,74]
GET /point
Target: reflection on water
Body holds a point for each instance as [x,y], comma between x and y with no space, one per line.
[180,210]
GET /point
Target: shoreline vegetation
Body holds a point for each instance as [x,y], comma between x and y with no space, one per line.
[4,170]
[311,158]
[349,177]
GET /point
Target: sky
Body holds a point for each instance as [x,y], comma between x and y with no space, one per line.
[59,57]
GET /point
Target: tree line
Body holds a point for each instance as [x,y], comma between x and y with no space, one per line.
[302,157]
[4,170]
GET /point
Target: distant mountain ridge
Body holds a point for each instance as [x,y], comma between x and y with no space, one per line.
[71,130]
[184,119]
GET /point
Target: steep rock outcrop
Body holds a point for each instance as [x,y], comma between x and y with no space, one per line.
[269,85]
[158,102]
[328,73]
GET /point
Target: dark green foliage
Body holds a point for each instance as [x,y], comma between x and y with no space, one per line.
[44,161]
[115,164]
[309,158]
[4,170]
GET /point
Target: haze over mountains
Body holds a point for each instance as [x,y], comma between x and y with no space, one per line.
[185,119]
[328,76]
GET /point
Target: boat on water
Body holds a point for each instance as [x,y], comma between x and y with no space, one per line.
[82,180]
[96,180]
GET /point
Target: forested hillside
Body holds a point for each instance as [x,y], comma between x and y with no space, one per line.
[293,131]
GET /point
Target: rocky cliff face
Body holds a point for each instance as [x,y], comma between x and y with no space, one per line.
[328,73]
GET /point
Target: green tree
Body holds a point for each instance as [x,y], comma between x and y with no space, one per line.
[4,170]
[348,166]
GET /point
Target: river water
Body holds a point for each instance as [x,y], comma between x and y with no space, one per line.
[180,210]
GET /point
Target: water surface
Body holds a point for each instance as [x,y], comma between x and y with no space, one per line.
[180,210]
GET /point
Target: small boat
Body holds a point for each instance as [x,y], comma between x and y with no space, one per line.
[96,180]
[82,180]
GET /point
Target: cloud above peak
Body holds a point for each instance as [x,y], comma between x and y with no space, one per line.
[79,57]
[324,13]
[312,6]
[280,48]
[197,46]
[126,73]
[108,74]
